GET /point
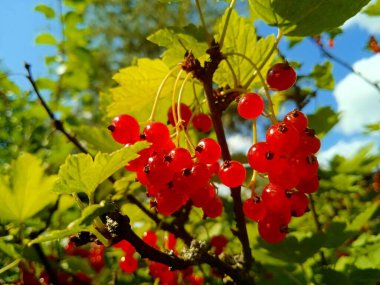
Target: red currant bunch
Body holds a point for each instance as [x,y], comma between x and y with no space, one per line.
[288,157]
[128,263]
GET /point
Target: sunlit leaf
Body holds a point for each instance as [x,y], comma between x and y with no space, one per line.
[305,18]
[26,191]
[46,39]
[322,74]
[82,173]
[46,10]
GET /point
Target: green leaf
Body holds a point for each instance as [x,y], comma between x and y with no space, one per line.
[46,39]
[98,137]
[46,83]
[372,128]
[362,162]
[138,86]
[305,18]
[84,223]
[82,173]
[46,10]
[373,10]
[175,41]
[323,120]
[363,218]
[8,248]
[322,74]
[26,191]
[241,38]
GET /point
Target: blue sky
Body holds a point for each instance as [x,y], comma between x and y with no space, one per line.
[19,24]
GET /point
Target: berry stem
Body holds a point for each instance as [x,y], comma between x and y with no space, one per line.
[151,118]
[200,13]
[271,51]
[265,86]
[173,105]
[236,82]
[254,174]
[223,35]
[179,111]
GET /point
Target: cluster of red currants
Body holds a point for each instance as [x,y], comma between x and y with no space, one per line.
[95,254]
[172,175]
[287,156]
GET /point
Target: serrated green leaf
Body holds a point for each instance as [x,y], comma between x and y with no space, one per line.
[84,223]
[175,42]
[322,74]
[241,38]
[98,137]
[323,120]
[26,191]
[305,18]
[363,218]
[373,10]
[138,86]
[82,173]
[46,39]
[46,10]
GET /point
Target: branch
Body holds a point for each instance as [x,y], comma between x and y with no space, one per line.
[57,123]
[216,110]
[347,66]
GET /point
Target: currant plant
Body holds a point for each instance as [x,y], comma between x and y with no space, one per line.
[169,203]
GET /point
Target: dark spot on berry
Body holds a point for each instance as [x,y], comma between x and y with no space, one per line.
[269,155]
[111,128]
[199,149]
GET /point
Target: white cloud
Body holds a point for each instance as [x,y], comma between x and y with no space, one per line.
[343,148]
[239,143]
[370,24]
[358,101]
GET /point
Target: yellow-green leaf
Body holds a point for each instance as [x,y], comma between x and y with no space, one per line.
[138,86]
[46,10]
[26,191]
[82,173]
[46,39]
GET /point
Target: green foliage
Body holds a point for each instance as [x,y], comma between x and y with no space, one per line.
[323,120]
[81,173]
[373,9]
[46,10]
[26,190]
[306,18]
[322,74]
[46,39]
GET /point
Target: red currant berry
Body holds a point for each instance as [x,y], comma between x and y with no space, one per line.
[125,129]
[308,141]
[283,138]
[202,122]
[128,264]
[254,209]
[169,201]
[272,229]
[170,241]
[309,185]
[260,157]
[213,208]
[157,133]
[178,159]
[250,106]
[306,164]
[208,151]
[185,115]
[96,257]
[284,173]
[275,200]
[141,161]
[201,197]
[219,242]
[232,173]
[157,170]
[299,204]
[125,246]
[150,237]
[297,119]
[281,76]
